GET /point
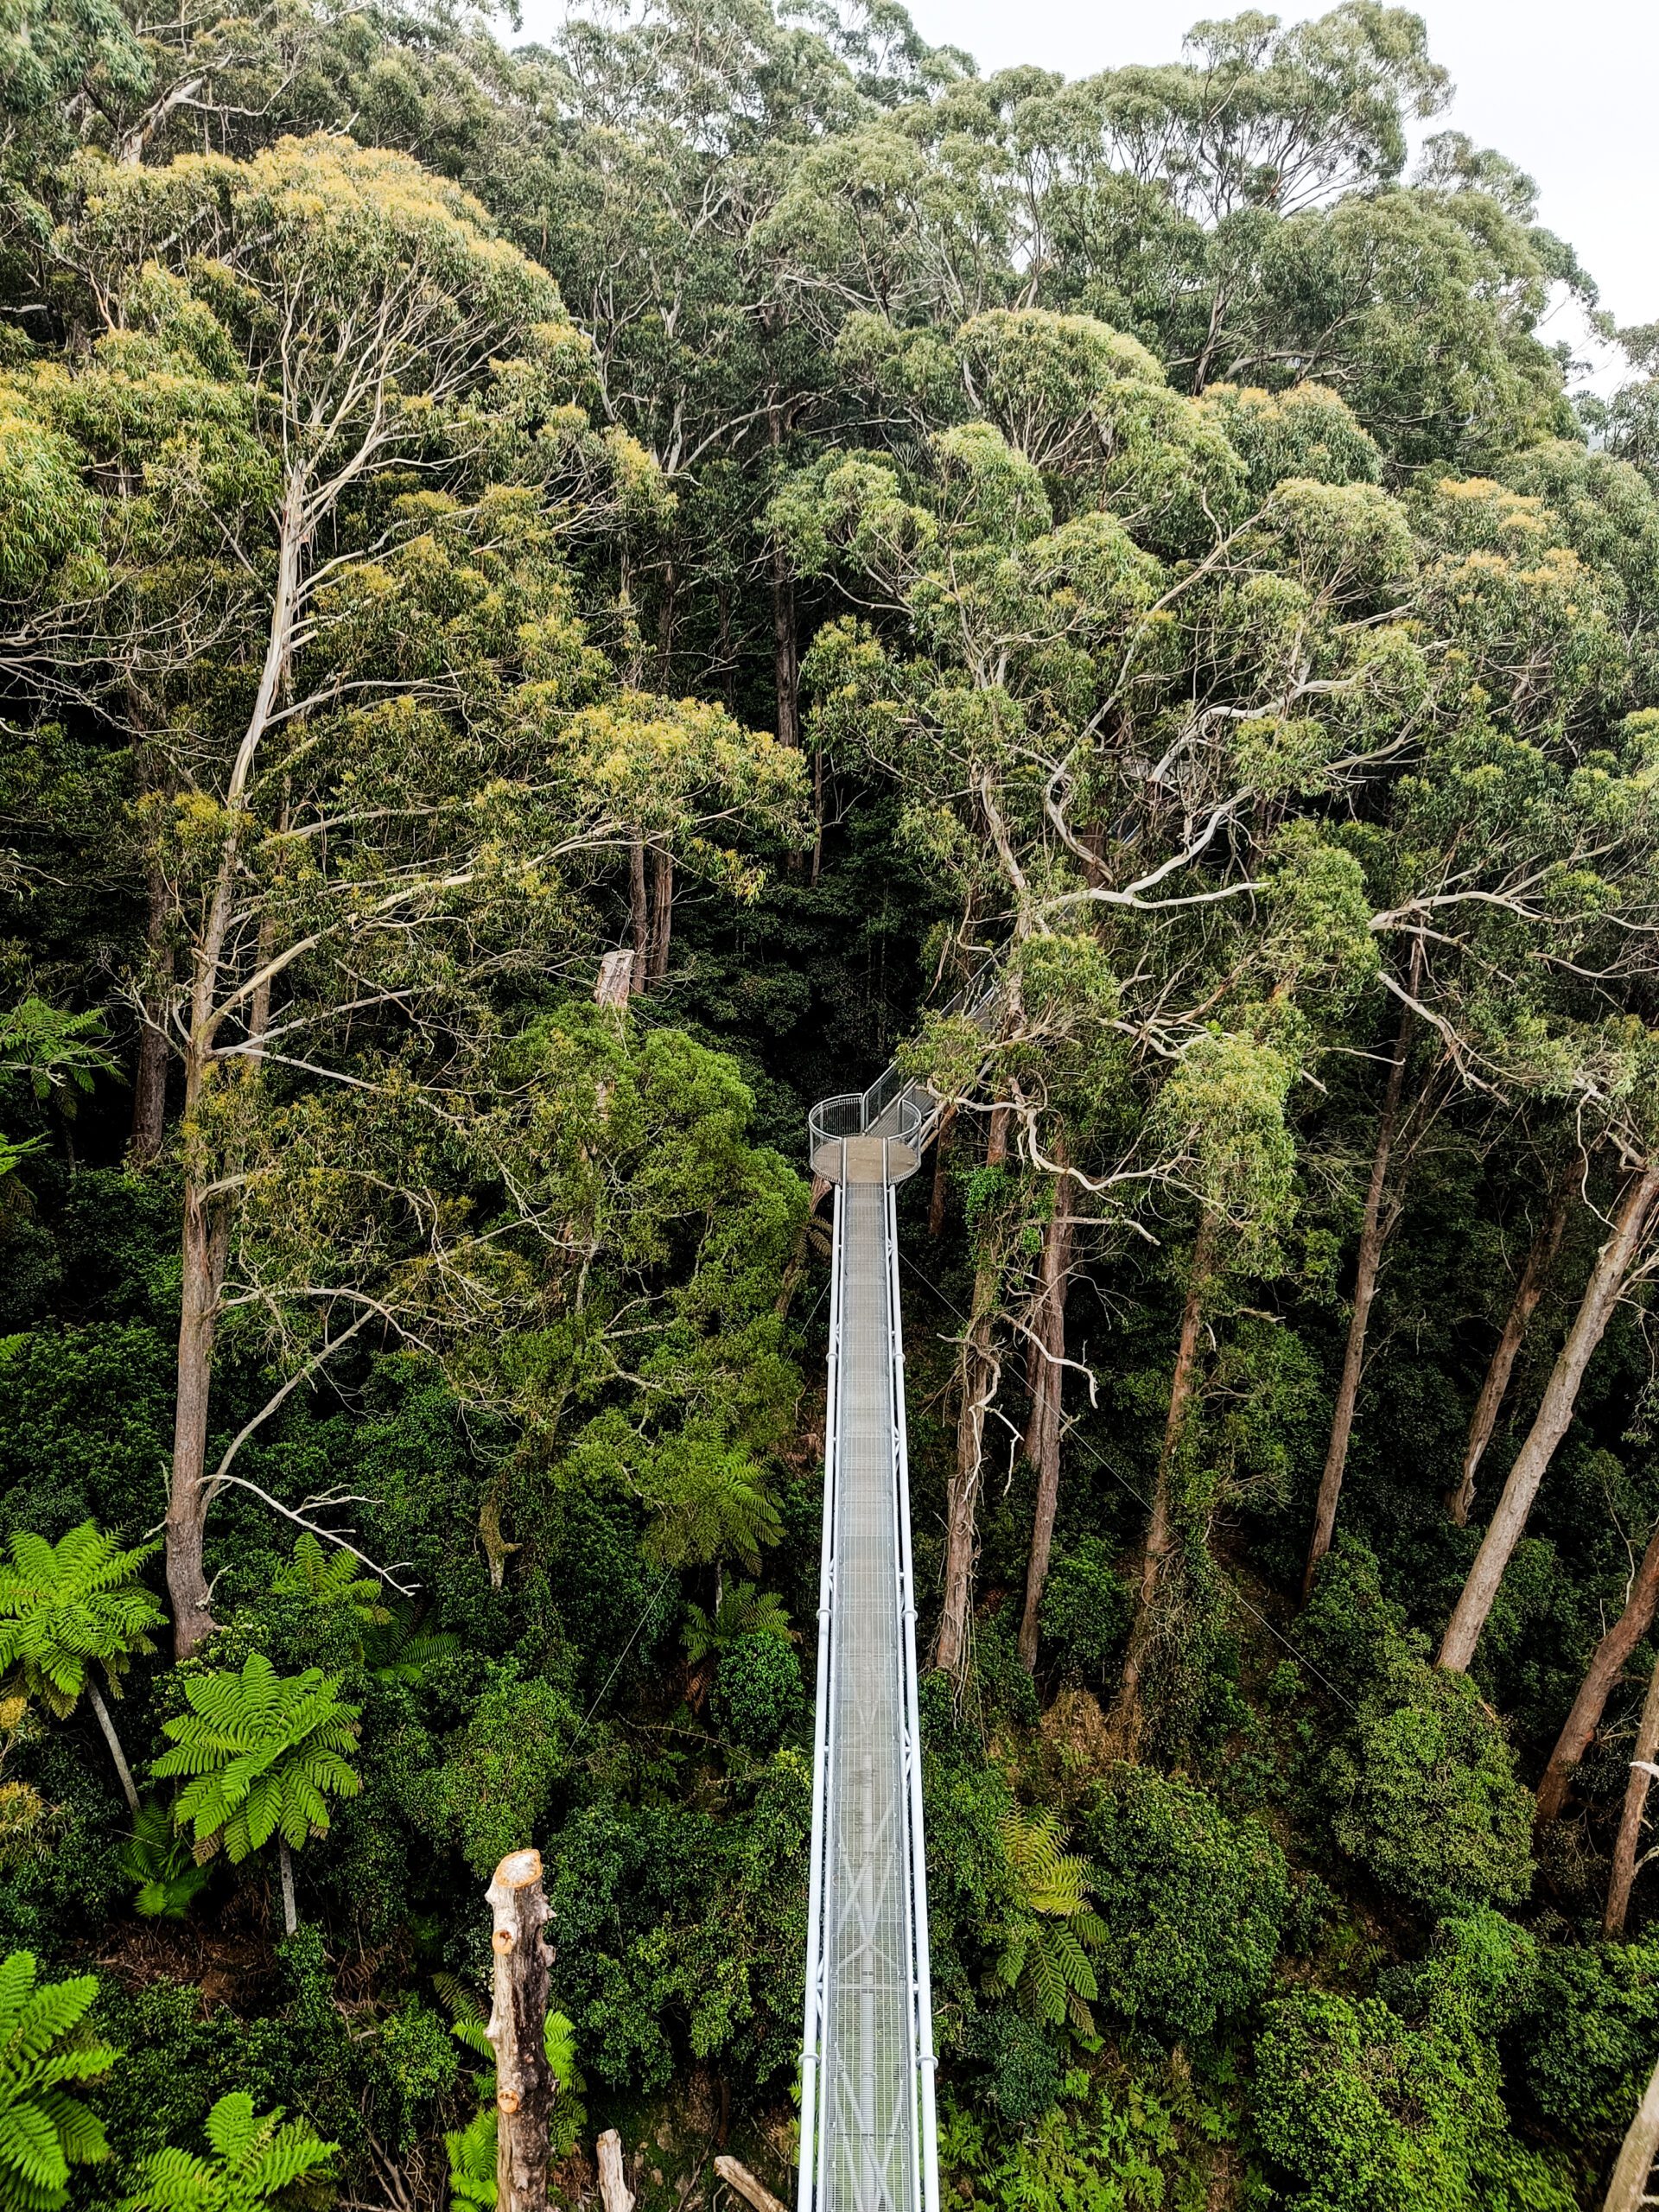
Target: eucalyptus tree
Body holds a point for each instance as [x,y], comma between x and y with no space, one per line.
[1110,670]
[394,762]
[1521,823]
[667,137]
[651,1237]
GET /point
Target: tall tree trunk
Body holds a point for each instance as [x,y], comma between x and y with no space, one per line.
[1128,1713]
[1627,2190]
[786,662]
[1522,1307]
[285,1867]
[1611,1656]
[662,913]
[665,612]
[149,1074]
[1615,1263]
[205,1244]
[1043,1429]
[1372,1236]
[639,908]
[205,1239]
[978,1376]
[129,1790]
[525,2086]
[942,1149]
[1629,1839]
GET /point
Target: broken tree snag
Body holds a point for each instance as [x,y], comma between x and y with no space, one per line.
[615,978]
[749,2188]
[525,2086]
[614,2189]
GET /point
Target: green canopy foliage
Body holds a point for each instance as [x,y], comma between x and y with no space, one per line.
[561,601]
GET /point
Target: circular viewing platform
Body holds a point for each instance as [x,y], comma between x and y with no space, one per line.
[864,1160]
[843,1149]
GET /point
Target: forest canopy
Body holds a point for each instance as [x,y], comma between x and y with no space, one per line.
[561,601]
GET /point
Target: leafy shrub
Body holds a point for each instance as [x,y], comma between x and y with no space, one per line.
[1477,1976]
[1086,1607]
[1365,2114]
[492,1790]
[1193,1902]
[1422,1790]
[1348,1628]
[1001,1682]
[680,1930]
[1021,2063]
[759,1694]
[1592,2035]
[1424,1793]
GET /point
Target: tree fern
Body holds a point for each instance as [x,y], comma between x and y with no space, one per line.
[257,2160]
[472,2164]
[158,1860]
[400,1649]
[330,1577]
[69,1610]
[708,1503]
[558,2040]
[260,1754]
[44,2130]
[1043,1962]
[742,1610]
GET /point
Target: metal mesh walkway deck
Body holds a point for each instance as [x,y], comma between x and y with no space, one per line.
[868,2127]
[868,2151]
[867,2103]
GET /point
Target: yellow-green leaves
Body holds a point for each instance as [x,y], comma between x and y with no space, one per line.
[668,765]
[1308,431]
[1223,1113]
[1320,937]
[45,512]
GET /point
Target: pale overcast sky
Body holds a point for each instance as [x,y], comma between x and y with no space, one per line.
[1566,88]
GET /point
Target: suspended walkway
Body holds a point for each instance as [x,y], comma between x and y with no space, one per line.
[868,2137]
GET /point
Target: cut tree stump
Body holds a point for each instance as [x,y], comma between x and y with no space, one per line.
[525,2086]
[615,978]
[612,2184]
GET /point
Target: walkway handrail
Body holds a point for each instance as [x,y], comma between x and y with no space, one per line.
[868,2119]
